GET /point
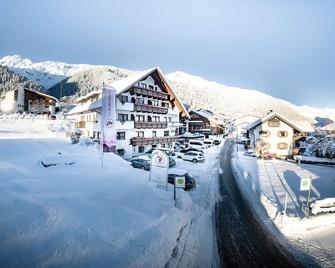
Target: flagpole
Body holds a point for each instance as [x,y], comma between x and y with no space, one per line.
[102,128]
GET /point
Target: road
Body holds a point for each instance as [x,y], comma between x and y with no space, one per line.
[242,239]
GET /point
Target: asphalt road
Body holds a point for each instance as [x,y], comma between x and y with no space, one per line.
[242,239]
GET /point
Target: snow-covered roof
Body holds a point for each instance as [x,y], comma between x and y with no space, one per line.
[301,126]
[42,94]
[123,85]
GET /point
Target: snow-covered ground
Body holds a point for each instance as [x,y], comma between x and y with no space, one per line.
[76,213]
[272,181]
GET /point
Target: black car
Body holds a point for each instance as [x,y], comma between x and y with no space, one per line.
[217,142]
[189,179]
[137,162]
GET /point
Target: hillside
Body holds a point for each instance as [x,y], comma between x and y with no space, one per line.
[10,80]
[85,81]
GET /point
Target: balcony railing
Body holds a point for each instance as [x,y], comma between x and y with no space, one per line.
[148,93]
[138,141]
[150,125]
[150,109]
[80,124]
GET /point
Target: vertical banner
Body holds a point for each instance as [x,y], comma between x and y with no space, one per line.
[108,119]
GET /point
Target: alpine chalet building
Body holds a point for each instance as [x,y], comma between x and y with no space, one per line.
[148,113]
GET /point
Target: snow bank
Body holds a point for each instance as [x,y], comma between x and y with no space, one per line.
[80,214]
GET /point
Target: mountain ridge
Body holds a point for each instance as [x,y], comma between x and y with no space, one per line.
[78,79]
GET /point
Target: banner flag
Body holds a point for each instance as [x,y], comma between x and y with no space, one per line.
[108,119]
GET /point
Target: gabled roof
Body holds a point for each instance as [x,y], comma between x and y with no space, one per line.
[126,83]
[42,94]
[298,126]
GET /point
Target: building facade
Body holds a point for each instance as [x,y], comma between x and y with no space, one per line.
[26,100]
[148,113]
[205,122]
[276,136]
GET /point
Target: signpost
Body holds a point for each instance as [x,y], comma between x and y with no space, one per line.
[108,120]
[159,168]
[179,182]
[305,185]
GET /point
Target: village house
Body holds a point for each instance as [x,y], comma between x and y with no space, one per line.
[205,122]
[27,100]
[276,136]
[148,113]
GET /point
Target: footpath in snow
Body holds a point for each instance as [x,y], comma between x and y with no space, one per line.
[272,182]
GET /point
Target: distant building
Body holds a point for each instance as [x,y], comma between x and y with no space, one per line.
[148,113]
[205,122]
[240,124]
[277,136]
[26,100]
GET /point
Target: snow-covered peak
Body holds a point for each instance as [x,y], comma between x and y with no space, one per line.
[47,73]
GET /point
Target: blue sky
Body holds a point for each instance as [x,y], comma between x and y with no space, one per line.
[284,48]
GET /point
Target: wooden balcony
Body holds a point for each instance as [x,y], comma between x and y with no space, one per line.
[80,124]
[150,109]
[139,141]
[137,90]
[147,124]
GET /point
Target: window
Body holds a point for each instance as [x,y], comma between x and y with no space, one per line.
[282,134]
[156,119]
[139,101]
[140,134]
[282,146]
[151,87]
[274,122]
[143,85]
[141,149]
[123,117]
[16,93]
[123,98]
[121,135]
[139,118]
[264,133]
[120,152]
[166,133]
[154,134]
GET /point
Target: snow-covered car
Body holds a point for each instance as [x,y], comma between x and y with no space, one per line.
[323,206]
[193,156]
[217,141]
[181,152]
[250,152]
[189,179]
[208,142]
[196,144]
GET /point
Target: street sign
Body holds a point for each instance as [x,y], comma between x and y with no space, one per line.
[305,184]
[159,167]
[180,181]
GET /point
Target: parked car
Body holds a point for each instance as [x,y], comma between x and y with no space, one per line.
[189,179]
[172,162]
[138,162]
[217,142]
[181,152]
[208,142]
[250,152]
[193,156]
[196,144]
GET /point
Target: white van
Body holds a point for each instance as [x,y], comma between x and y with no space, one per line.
[208,142]
[196,144]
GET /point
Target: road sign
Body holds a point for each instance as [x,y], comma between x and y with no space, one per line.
[180,181]
[159,167]
[305,184]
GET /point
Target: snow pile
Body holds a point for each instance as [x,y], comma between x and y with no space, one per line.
[80,214]
[274,184]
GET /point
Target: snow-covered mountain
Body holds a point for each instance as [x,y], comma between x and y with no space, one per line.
[200,93]
[47,73]
[59,78]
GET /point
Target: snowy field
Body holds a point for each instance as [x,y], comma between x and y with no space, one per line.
[272,181]
[78,214]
